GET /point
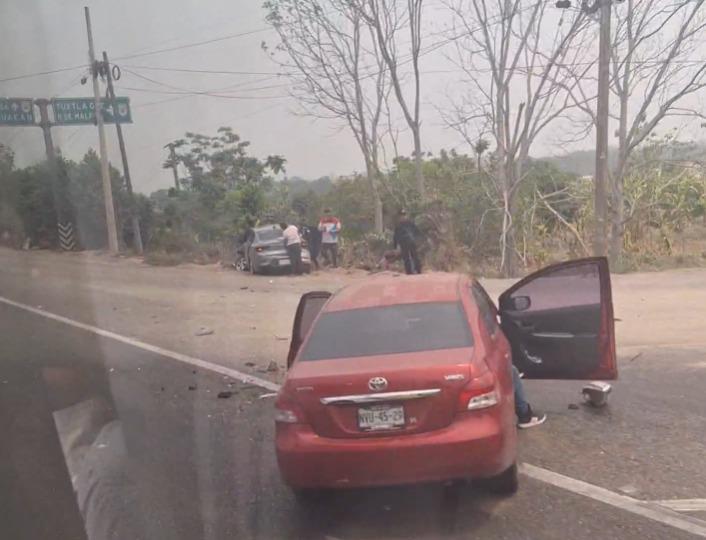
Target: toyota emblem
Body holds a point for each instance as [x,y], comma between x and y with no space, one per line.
[377,383]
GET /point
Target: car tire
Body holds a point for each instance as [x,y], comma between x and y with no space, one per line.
[241,264]
[506,483]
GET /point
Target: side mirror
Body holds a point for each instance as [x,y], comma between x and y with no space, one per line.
[516,303]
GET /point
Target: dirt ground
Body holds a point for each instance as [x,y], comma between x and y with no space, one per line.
[244,321]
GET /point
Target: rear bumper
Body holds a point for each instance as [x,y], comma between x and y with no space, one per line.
[275,261]
[475,445]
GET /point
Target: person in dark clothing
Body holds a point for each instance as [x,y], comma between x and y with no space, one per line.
[405,238]
[312,235]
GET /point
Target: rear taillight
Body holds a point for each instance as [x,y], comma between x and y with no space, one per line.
[287,412]
[260,249]
[480,393]
[286,416]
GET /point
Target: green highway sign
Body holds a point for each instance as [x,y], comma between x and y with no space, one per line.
[16,112]
[79,111]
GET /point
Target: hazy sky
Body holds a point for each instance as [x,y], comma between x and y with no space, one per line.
[41,35]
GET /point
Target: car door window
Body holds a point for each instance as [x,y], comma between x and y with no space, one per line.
[568,287]
[309,307]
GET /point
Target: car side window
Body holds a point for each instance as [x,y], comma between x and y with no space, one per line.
[485,305]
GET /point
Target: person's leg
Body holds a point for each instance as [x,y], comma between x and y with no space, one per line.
[290,254]
[415,259]
[526,417]
[297,252]
[325,254]
[334,254]
[522,408]
[407,259]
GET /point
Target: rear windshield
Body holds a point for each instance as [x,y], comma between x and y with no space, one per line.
[269,234]
[402,328]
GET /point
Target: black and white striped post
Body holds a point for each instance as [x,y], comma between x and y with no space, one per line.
[65,228]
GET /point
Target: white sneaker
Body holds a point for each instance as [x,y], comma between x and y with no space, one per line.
[534,420]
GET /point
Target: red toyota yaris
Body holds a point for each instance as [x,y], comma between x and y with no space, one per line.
[406,379]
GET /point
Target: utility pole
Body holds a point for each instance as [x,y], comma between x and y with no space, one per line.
[105,171]
[134,216]
[65,228]
[602,120]
[602,174]
[173,158]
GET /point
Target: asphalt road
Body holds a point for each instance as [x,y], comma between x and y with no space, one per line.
[195,465]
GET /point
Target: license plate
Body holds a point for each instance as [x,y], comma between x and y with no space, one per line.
[380,417]
[283,262]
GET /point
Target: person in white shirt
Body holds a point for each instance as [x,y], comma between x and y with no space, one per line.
[330,227]
[293,243]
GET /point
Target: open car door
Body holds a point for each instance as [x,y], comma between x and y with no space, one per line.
[559,322]
[309,306]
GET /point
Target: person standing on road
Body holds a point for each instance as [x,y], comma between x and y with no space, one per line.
[330,226]
[293,244]
[312,235]
[405,238]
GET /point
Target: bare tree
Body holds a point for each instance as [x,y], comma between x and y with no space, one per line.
[658,61]
[388,18]
[514,58]
[335,64]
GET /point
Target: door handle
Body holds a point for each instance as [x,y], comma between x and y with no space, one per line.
[527,327]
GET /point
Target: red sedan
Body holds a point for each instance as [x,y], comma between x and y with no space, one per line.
[407,379]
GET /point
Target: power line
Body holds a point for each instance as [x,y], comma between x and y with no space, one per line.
[40,73]
[223,96]
[138,55]
[205,71]
[229,87]
[190,45]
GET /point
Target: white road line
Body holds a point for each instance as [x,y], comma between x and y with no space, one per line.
[684,505]
[652,511]
[186,359]
[634,506]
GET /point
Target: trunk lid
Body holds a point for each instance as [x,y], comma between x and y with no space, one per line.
[426,385]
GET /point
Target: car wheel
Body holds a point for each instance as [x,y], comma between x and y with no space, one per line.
[506,483]
[241,265]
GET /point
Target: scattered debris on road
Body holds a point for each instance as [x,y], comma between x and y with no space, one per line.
[265,396]
[226,394]
[250,364]
[573,406]
[281,338]
[203,331]
[628,489]
[272,366]
[192,387]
